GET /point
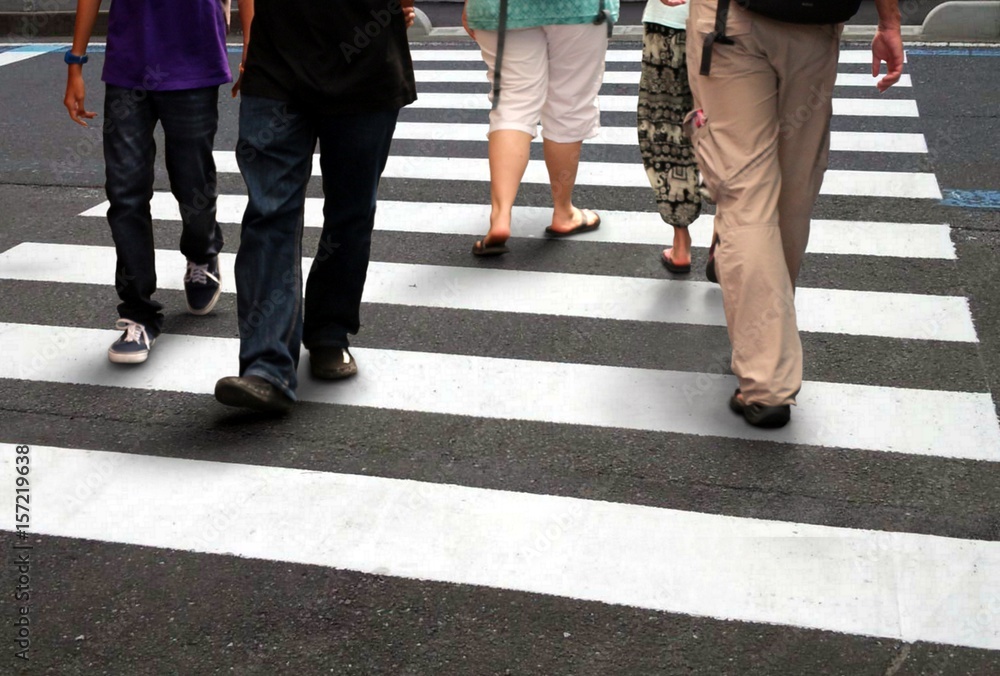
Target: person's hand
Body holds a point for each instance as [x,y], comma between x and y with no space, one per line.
[410,15]
[887,46]
[673,3]
[239,82]
[75,92]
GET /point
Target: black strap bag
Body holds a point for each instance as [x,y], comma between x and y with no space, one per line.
[791,11]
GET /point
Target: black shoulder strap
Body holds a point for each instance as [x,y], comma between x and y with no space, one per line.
[718,35]
[501,41]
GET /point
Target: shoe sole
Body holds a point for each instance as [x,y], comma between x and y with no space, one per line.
[333,375]
[129,357]
[208,308]
[233,395]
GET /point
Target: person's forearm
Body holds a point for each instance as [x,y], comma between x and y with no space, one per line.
[86,17]
[246,19]
[888,13]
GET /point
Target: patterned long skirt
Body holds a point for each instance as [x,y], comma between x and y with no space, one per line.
[664,99]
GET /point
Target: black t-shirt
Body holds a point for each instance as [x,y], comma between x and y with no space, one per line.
[330,56]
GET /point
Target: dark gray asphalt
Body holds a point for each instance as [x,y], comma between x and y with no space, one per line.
[143,610]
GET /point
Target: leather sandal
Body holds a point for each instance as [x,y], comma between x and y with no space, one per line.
[759,415]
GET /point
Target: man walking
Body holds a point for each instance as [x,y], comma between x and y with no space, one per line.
[336,72]
[763,88]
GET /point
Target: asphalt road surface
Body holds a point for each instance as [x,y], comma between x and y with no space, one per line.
[535,472]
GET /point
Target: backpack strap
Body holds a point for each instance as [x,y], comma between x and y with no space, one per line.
[604,16]
[716,36]
[501,41]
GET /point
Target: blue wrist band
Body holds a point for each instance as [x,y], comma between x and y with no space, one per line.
[72,59]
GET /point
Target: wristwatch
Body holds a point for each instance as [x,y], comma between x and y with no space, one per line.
[72,59]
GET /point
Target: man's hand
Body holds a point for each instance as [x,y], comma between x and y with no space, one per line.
[75,92]
[410,15]
[238,83]
[888,44]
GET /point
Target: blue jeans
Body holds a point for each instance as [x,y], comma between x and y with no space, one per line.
[189,118]
[275,155]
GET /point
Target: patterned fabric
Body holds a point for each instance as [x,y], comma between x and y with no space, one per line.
[664,99]
[484,14]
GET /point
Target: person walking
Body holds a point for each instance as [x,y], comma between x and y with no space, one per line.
[763,90]
[164,63]
[337,73]
[545,64]
[664,100]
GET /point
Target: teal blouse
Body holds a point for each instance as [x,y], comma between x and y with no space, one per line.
[484,14]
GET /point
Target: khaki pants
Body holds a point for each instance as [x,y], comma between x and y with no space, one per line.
[763,152]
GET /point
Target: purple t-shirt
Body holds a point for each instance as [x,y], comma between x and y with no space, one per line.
[166,45]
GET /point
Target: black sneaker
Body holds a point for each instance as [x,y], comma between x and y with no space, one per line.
[134,345]
[252,392]
[332,363]
[759,415]
[202,286]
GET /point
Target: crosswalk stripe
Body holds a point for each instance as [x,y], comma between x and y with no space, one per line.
[856,141]
[627,104]
[852,56]
[901,586]
[630,77]
[912,185]
[835,415]
[855,238]
[23,53]
[867,313]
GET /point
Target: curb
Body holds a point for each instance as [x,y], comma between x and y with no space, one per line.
[968,20]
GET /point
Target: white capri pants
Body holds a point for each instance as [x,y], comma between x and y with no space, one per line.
[550,74]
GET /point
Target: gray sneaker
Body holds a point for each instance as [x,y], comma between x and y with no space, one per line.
[332,363]
[252,392]
[134,345]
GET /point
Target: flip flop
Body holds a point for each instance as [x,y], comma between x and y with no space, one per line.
[710,265]
[480,248]
[578,230]
[669,264]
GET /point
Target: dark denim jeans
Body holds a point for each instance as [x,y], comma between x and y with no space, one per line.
[275,155]
[189,118]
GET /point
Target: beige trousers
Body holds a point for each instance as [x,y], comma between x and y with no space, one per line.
[763,152]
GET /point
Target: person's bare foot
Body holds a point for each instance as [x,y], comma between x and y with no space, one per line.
[577,218]
[495,240]
[680,260]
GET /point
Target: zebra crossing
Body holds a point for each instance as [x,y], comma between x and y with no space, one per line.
[874,582]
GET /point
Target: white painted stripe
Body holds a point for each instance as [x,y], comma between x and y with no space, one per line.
[629,175]
[629,77]
[866,313]
[22,54]
[627,104]
[854,238]
[836,415]
[613,55]
[900,586]
[626,136]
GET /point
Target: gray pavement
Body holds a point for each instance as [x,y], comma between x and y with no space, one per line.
[103,606]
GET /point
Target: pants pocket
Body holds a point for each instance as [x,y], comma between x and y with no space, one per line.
[712,163]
